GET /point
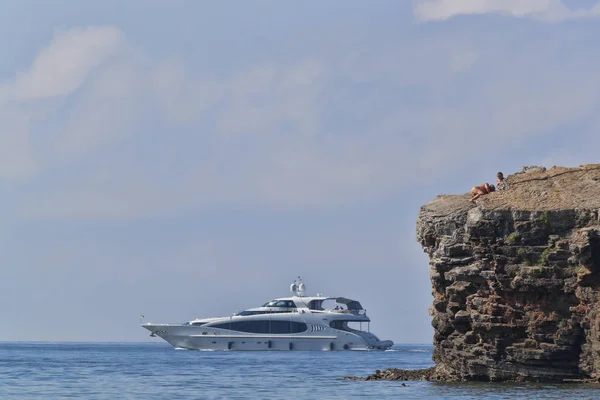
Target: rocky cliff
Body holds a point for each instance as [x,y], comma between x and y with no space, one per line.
[515,280]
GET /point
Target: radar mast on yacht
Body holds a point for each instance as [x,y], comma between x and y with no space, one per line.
[298,287]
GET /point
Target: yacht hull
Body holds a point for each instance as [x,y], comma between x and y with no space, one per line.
[193,338]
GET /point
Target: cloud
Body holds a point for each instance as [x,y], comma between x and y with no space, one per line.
[34,98]
[107,109]
[62,66]
[549,10]
[146,137]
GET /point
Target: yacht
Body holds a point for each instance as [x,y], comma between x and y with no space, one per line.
[298,322]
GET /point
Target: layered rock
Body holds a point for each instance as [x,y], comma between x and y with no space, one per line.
[516,279]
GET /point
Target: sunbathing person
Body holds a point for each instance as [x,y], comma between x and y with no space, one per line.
[483,189]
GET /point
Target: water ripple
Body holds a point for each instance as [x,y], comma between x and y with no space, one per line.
[156,370]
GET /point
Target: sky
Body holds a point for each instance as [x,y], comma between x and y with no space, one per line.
[189,159]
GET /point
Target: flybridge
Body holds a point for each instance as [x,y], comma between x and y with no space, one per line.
[299,289]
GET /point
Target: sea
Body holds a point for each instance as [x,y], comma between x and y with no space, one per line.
[158,371]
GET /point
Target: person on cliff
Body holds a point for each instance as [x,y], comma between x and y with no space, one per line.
[500,184]
[483,189]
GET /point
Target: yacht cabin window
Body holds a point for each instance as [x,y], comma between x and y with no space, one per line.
[263,326]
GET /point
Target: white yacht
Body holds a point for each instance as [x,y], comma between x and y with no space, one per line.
[298,322]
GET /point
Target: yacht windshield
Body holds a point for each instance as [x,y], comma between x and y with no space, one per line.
[280,303]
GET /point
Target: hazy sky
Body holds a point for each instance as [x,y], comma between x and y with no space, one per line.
[184,159]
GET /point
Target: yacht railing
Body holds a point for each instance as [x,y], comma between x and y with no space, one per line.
[344,311]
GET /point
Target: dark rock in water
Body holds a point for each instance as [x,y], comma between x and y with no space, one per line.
[395,374]
[516,281]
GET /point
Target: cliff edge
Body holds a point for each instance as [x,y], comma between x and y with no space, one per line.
[516,280]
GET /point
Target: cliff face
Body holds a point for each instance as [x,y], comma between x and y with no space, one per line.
[516,279]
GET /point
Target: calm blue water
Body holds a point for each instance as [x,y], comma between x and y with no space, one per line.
[157,371]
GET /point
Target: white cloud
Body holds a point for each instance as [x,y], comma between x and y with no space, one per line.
[144,137]
[62,66]
[107,109]
[550,10]
[58,71]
